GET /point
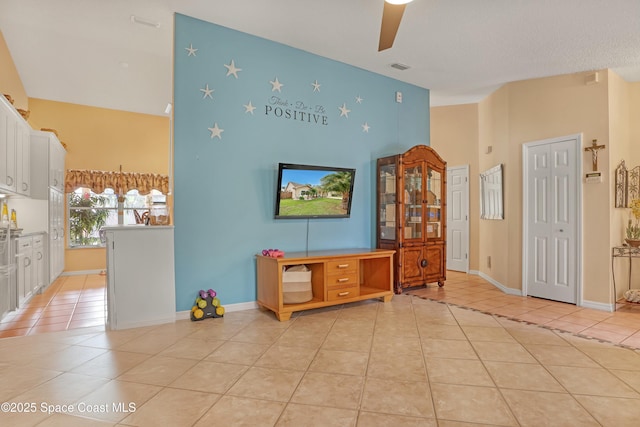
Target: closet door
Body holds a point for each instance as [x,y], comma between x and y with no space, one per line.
[551,222]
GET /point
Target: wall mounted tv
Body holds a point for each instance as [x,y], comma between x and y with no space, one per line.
[306,191]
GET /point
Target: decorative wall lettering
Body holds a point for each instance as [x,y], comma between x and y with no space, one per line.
[299,111]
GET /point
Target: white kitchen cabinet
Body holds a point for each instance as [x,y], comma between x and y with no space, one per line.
[39,273]
[5,293]
[24,255]
[23,158]
[47,163]
[15,160]
[56,164]
[7,272]
[30,261]
[47,183]
[56,234]
[10,122]
[140,276]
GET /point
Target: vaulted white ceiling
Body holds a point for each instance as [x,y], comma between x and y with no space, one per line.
[90,52]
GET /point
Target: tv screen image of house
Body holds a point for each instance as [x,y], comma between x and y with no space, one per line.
[306,191]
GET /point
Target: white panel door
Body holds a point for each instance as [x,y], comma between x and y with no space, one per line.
[458,218]
[551,220]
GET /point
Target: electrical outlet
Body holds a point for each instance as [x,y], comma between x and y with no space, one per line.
[399,97]
[489,261]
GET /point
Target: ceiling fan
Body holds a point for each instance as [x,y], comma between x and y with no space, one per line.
[391,17]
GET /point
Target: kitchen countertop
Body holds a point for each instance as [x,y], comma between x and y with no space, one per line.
[136,227]
[31,233]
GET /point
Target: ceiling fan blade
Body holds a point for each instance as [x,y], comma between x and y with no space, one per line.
[391,17]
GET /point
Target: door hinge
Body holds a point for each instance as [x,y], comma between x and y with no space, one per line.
[465,179]
[465,256]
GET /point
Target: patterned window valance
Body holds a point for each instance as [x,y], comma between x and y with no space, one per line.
[121,182]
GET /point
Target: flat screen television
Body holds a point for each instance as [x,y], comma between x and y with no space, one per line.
[305,191]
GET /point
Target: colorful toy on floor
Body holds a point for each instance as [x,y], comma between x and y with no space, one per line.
[273,253]
[207,305]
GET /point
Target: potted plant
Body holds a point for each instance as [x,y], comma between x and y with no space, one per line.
[633,228]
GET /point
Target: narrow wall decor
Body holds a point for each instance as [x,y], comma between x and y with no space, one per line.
[491,198]
[627,185]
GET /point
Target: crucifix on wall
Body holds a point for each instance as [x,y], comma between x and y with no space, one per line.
[594,148]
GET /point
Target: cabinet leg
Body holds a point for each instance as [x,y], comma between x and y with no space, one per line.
[440,284]
[387,298]
[283,317]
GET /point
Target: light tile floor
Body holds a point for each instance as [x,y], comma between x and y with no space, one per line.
[620,327]
[70,302]
[410,362]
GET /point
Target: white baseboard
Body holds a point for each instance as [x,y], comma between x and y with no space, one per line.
[141,324]
[80,272]
[228,308]
[598,306]
[497,284]
[586,304]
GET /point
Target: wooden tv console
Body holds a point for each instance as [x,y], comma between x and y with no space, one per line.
[337,277]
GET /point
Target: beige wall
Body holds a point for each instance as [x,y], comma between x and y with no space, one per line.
[10,82]
[454,135]
[552,107]
[539,109]
[495,235]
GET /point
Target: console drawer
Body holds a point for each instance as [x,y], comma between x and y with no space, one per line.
[342,280]
[341,266]
[343,293]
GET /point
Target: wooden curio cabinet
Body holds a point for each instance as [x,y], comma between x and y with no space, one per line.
[411,215]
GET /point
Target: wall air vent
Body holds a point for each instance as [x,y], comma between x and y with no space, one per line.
[399,66]
[141,21]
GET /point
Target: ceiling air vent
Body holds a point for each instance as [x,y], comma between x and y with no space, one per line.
[399,66]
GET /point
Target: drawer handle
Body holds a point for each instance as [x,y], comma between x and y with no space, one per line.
[343,265]
[343,294]
[343,279]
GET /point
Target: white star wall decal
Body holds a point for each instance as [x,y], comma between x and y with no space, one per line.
[316,86]
[216,131]
[365,127]
[232,69]
[191,51]
[276,85]
[358,99]
[207,92]
[344,111]
[248,108]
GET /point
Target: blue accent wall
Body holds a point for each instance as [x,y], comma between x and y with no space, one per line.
[225,175]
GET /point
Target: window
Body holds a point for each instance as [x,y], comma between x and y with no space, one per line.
[88,212]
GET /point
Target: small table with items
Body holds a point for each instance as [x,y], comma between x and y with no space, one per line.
[629,252]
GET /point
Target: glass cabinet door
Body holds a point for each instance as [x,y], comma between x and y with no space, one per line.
[433,204]
[387,201]
[412,225]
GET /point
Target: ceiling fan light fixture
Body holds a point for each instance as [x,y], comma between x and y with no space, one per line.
[398,1]
[391,16]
